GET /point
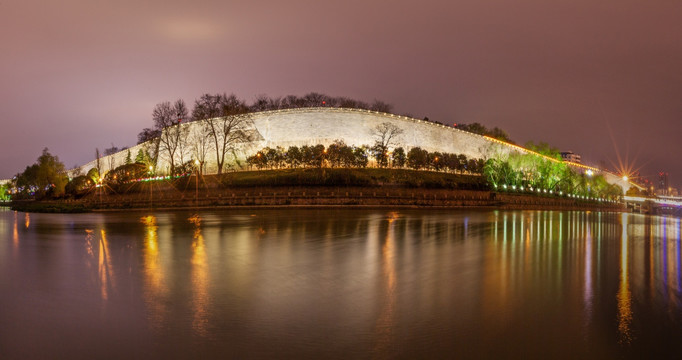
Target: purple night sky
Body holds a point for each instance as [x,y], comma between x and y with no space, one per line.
[578,74]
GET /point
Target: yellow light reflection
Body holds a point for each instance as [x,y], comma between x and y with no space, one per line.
[15,233]
[153,272]
[385,322]
[200,281]
[624,296]
[106,276]
[27,220]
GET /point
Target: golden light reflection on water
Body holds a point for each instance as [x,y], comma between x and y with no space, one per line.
[386,321]
[15,232]
[624,296]
[200,281]
[27,220]
[106,276]
[153,272]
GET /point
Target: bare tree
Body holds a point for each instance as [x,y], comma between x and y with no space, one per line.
[226,122]
[226,132]
[147,134]
[167,119]
[261,103]
[208,106]
[98,165]
[110,159]
[201,145]
[385,134]
[314,99]
[112,150]
[381,106]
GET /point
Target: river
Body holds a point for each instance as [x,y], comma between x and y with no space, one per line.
[339,283]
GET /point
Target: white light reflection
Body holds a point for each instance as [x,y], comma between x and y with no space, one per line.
[624,296]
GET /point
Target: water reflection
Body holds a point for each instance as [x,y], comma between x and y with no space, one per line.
[344,284]
[155,287]
[15,232]
[624,296]
[106,276]
[587,295]
[385,323]
[200,280]
[98,260]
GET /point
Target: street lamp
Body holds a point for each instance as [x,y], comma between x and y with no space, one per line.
[100,190]
[151,187]
[196,182]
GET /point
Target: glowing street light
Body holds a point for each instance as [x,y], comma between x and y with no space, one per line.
[196,182]
[589,172]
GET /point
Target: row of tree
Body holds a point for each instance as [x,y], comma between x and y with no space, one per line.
[226,123]
[532,171]
[339,154]
[47,177]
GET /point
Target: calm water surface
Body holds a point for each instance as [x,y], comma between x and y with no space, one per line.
[339,284]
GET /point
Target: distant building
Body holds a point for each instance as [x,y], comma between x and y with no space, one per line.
[662,180]
[662,186]
[571,156]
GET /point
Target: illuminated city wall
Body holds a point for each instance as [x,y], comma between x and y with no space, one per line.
[312,126]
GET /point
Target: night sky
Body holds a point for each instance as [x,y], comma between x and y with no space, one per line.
[601,78]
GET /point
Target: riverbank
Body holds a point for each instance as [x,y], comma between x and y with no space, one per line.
[311,188]
[313,197]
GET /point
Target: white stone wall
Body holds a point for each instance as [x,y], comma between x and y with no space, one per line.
[312,126]
[356,127]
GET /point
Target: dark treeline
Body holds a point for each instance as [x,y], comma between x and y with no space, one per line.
[479,129]
[340,155]
[209,106]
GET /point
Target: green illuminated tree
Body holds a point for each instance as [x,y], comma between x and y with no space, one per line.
[46,178]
